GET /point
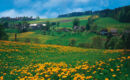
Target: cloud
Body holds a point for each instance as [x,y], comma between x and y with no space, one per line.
[51,8]
[73,10]
[82,1]
[55,3]
[14,13]
[21,2]
[50,14]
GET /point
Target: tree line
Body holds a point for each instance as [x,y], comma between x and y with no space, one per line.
[121,14]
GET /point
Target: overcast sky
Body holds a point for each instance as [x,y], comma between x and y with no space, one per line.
[52,8]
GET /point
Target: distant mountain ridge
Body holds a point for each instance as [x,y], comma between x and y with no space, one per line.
[122,13]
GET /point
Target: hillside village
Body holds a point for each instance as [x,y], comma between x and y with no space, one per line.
[89,45]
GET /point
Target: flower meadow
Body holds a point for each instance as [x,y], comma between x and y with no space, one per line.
[26,61]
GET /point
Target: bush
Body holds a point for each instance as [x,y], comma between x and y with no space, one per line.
[27,40]
[3,35]
[84,45]
[36,40]
[97,42]
[72,42]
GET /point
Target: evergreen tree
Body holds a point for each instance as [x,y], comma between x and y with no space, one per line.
[76,22]
[3,35]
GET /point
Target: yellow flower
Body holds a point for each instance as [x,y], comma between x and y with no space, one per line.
[22,79]
[111,70]
[4,73]
[1,78]
[46,75]
[88,77]
[64,76]
[118,66]
[106,79]
[113,75]
[117,69]
[94,72]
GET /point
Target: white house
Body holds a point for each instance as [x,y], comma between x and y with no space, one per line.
[32,25]
[43,24]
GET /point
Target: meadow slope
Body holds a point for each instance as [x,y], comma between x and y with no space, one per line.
[53,62]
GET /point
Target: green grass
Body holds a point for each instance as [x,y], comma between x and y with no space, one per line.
[11,31]
[70,24]
[64,39]
[38,54]
[33,37]
[110,23]
[15,56]
[58,19]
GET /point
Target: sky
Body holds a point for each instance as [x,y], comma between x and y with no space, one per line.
[53,8]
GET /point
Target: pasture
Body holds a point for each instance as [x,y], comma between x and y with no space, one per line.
[26,61]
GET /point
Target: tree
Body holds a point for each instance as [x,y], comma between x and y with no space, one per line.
[97,43]
[93,27]
[58,24]
[47,27]
[112,43]
[76,22]
[37,18]
[126,38]
[87,27]
[5,24]
[90,24]
[3,35]
[72,42]
[109,36]
[25,26]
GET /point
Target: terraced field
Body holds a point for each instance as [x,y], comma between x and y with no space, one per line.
[26,61]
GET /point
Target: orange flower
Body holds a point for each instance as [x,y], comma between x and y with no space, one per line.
[117,69]
[1,78]
[111,70]
[106,79]
[113,75]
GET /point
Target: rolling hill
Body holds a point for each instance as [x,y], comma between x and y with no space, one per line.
[36,61]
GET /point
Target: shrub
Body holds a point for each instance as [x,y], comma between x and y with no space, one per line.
[3,35]
[72,42]
[28,40]
[36,40]
[97,42]
[84,45]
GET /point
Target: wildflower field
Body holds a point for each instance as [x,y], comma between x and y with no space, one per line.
[26,61]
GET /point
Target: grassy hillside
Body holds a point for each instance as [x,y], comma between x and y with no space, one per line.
[58,38]
[35,61]
[33,37]
[59,19]
[105,22]
[70,24]
[110,23]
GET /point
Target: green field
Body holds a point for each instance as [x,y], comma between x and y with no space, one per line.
[110,23]
[38,56]
[58,39]
[35,61]
[58,19]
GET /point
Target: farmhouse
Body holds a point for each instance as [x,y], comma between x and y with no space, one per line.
[36,26]
[104,32]
[33,26]
[113,31]
[79,28]
[64,30]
